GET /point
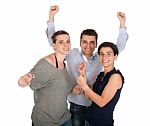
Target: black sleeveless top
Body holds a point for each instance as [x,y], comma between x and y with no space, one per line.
[96,115]
[57,61]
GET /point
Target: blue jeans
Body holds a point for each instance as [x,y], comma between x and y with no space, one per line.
[67,123]
[87,124]
[78,113]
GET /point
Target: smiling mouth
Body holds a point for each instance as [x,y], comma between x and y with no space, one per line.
[87,49]
[66,49]
[104,61]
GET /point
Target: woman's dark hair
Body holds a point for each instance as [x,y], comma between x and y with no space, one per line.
[60,32]
[108,44]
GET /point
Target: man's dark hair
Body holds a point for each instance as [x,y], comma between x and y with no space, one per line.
[89,32]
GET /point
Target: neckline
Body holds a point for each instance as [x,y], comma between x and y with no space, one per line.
[57,62]
[91,58]
[105,74]
[47,62]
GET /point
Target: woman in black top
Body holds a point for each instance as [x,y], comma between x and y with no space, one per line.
[106,90]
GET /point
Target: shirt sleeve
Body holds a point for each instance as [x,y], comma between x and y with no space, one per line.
[73,60]
[50,31]
[122,39]
[41,75]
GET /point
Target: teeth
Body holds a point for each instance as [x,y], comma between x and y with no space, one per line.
[66,49]
[105,61]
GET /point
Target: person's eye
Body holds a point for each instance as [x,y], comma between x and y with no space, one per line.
[84,42]
[109,54]
[101,54]
[92,42]
[68,41]
[60,42]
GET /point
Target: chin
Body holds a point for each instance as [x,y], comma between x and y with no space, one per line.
[65,53]
[104,65]
[88,53]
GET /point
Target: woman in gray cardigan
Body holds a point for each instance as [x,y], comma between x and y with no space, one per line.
[50,82]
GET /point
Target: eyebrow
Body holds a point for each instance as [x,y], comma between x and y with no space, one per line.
[60,40]
[107,52]
[92,41]
[89,41]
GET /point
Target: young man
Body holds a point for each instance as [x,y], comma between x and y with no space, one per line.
[88,43]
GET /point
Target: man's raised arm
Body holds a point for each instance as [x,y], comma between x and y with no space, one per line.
[123,36]
[50,23]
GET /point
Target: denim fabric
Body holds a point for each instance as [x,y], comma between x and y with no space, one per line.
[87,124]
[67,123]
[78,113]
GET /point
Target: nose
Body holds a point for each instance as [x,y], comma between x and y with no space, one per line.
[88,45]
[66,44]
[104,57]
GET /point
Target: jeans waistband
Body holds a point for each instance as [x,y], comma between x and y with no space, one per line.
[78,106]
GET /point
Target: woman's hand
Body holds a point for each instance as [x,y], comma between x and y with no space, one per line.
[25,80]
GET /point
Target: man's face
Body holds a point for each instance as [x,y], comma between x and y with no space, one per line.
[88,45]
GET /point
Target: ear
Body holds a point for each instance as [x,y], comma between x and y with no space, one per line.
[96,44]
[54,46]
[80,43]
[116,57]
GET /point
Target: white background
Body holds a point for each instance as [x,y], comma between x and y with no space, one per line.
[23,43]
